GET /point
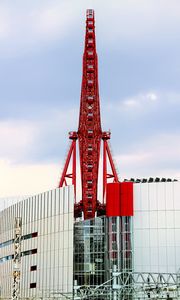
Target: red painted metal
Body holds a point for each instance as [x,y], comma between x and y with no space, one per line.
[71,154]
[89,131]
[119,199]
[126,199]
[89,134]
[107,154]
[113,200]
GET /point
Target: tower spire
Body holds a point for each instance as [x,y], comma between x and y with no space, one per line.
[89,133]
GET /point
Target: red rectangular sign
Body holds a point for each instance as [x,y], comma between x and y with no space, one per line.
[119,199]
[113,200]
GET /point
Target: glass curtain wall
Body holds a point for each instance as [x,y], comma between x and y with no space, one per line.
[89,252]
[120,256]
[103,246]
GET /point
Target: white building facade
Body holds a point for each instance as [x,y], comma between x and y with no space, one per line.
[46,245]
[156,227]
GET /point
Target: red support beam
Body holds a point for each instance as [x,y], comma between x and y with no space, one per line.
[70,156]
[64,173]
[74,168]
[114,173]
[104,168]
[107,156]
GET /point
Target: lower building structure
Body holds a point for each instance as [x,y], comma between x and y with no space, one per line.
[138,256]
[101,246]
[93,259]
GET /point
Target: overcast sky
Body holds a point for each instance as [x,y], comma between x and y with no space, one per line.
[41,46]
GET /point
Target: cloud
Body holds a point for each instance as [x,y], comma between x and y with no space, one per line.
[38,139]
[146,134]
[5,23]
[140,100]
[152,96]
[25,179]
[32,152]
[139,20]
[153,104]
[16,138]
[24,25]
[133,107]
[155,156]
[54,19]
[130,103]
[52,137]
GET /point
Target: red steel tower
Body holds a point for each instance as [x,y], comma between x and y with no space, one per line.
[89,135]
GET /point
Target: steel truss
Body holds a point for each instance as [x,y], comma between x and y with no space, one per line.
[89,135]
[133,285]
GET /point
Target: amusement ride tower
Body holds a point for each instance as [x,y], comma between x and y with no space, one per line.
[89,135]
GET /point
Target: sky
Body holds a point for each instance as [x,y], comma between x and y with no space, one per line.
[41,47]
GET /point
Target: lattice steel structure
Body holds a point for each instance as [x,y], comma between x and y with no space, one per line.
[89,135]
[17,259]
[133,285]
